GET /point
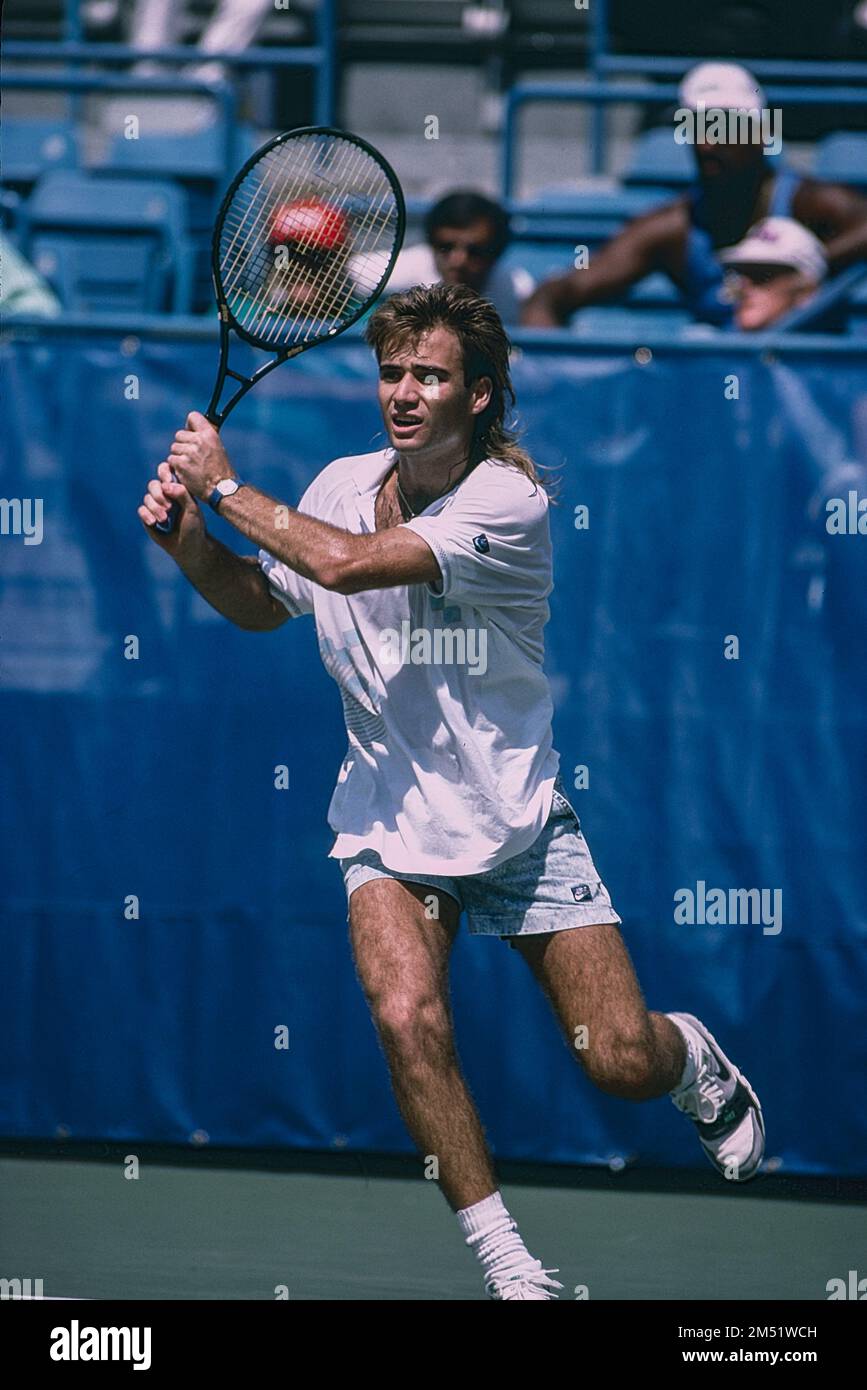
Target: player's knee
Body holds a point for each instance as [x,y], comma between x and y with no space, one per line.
[415,1027]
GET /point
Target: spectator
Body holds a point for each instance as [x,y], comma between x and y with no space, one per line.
[231,29]
[22,291]
[466,234]
[736,187]
[765,287]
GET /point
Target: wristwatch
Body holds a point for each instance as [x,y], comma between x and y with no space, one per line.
[227,487]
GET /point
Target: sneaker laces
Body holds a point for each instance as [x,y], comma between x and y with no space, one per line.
[527,1277]
[704,1099]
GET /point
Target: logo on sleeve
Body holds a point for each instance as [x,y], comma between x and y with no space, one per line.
[481,544]
[582,892]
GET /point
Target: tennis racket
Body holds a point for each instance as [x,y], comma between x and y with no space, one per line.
[305,239]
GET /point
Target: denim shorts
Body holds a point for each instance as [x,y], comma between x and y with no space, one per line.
[551,886]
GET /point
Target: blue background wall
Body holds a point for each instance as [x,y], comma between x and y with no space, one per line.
[155,777]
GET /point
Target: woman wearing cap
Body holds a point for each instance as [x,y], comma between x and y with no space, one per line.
[778,265]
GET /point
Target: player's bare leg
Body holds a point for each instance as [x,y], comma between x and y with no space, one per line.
[587,975]
[402,960]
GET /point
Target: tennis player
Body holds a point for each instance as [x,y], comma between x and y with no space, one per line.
[427,567]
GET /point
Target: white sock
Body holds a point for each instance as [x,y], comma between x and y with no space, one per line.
[490,1231]
[690,1070]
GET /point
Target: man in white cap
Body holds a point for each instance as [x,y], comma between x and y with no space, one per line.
[778,265]
[736,187]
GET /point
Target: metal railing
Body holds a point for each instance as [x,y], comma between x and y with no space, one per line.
[223,94]
[320,57]
[205,329]
[601,94]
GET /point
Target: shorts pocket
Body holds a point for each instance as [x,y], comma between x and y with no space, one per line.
[561,806]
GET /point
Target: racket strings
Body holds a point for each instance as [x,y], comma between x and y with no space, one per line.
[348,282]
[343,289]
[261,180]
[332,206]
[334,277]
[274,199]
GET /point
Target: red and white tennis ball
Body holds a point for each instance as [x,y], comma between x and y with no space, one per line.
[311,222]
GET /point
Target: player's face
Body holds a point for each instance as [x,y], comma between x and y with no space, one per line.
[465,255]
[424,402]
[764,293]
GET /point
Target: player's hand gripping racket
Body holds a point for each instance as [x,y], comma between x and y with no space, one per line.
[305,239]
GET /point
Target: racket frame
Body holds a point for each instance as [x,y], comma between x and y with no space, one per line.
[228,324]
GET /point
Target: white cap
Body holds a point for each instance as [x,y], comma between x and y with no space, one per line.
[724,86]
[780,241]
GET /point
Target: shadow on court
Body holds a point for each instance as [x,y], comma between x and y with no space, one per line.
[231,1225]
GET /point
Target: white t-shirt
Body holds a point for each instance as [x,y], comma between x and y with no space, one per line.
[450,766]
[506,286]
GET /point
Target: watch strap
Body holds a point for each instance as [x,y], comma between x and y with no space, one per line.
[216,496]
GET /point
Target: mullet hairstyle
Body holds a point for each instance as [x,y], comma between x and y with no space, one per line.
[400,322]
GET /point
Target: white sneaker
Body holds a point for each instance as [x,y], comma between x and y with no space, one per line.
[722,1104]
[527,1280]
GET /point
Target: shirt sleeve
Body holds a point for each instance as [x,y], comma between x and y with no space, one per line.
[493,543]
[293,590]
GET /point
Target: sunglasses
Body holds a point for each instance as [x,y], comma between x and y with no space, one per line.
[762,275]
[479,250]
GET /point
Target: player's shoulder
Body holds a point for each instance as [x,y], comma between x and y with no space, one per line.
[348,471]
[503,484]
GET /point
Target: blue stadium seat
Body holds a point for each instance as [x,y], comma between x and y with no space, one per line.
[196,161]
[655,291]
[577,216]
[196,154]
[109,244]
[543,259]
[29,148]
[565,199]
[616,320]
[657,159]
[842,158]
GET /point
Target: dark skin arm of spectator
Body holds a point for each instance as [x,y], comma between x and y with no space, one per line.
[651,242]
[838,216]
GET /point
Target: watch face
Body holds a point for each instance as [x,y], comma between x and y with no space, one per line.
[227,487]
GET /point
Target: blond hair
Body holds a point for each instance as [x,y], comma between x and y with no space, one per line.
[402,319]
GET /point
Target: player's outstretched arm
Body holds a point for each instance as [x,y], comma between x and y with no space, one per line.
[327,555]
[233,584]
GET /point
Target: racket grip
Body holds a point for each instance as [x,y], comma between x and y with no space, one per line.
[167,527]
